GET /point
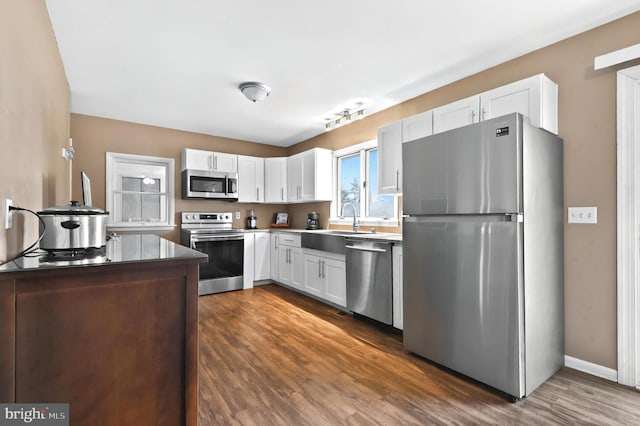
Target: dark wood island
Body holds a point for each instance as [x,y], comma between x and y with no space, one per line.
[116,337]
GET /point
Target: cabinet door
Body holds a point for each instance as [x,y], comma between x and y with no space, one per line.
[397,287]
[262,260]
[390,158]
[308,185]
[534,97]
[284,265]
[335,281]
[250,179]
[275,180]
[456,114]
[249,260]
[314,281]
[197,159]
[274,256]
[294,178]
[297,266]
[416,127]
[226,163]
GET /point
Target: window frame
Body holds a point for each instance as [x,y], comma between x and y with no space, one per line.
[361,149]
[112,160]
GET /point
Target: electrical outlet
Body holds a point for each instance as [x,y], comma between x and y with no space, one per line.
[8,219]
[583,215]
[237,215]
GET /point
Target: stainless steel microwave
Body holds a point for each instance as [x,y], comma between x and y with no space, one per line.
[205,184]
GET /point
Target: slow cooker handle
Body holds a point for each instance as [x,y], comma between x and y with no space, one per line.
[70,224]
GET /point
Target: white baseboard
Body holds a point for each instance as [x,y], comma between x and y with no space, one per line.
[591,368]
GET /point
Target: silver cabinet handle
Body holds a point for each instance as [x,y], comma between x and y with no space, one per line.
[377,250]
[319,268]
[282,193]
[483,113]
[210,161]
[276,242]
[473,115]
[323,271]
[397,180]
[257,194]
[215,163]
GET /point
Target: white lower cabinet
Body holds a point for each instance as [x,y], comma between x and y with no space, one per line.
[397,287]
[248,261]
[274,253]
[262,261]
[326,276]
[314,281]
[335,288]
[290,260]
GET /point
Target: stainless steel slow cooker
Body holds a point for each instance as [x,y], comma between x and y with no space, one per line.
[73,227]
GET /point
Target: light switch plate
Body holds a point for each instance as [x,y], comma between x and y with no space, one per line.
[583,215]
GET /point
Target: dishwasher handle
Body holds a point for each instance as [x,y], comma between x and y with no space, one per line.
[377,250]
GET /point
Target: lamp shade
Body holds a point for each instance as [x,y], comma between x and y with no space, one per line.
[254,91]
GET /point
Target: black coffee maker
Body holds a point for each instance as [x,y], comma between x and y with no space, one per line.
[313,220]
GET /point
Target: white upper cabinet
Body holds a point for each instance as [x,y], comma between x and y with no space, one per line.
[309,176]
[534,97]
[250,179]
[456,114]
[226,163]
[275,180]
[417,126]
[390,140]
[197,159]
[390,158]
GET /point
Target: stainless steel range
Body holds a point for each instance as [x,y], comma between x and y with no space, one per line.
[212,233]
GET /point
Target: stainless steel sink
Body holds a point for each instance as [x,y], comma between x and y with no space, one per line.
[328,240]
[324,241]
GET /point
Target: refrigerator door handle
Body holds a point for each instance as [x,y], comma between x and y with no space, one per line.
[515,217]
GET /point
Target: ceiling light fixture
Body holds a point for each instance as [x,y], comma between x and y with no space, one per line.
[344,117]
[254,91]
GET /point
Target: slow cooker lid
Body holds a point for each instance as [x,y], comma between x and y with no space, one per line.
[73,208]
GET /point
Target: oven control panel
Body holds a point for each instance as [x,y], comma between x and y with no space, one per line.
[206,217]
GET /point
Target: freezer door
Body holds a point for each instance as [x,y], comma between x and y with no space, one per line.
[469,170]
[463,297]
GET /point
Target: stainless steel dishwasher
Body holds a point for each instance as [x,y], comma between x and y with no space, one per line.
[369,281]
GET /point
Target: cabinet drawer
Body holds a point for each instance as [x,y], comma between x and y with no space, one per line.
[288,239]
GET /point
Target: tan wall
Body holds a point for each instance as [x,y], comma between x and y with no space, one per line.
[93,137]
[34,120]
[587,123]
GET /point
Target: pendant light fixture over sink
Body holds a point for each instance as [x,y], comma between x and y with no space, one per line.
[254,91]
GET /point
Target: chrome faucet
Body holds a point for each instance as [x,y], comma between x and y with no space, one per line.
[355,224]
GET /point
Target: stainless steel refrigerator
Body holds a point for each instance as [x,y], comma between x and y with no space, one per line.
[483,252]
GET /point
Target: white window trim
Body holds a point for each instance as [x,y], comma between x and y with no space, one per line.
[114,157]
[335,219]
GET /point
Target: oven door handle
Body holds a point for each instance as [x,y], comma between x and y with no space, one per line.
[205,238]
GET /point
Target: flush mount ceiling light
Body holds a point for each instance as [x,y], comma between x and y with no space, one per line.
[344,116]
[254,91]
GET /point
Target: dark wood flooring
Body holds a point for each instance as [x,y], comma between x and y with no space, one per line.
[270,356]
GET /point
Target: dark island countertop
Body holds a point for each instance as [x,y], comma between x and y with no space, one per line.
[130,248]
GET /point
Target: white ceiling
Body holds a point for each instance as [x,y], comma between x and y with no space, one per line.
[178,63]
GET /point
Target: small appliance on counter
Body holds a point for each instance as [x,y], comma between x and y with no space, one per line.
[73,227]
[252,220]
[313,220]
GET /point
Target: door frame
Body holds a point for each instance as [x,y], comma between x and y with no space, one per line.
[628,221]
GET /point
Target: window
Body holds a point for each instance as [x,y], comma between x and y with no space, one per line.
[140,192]
[357,177]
